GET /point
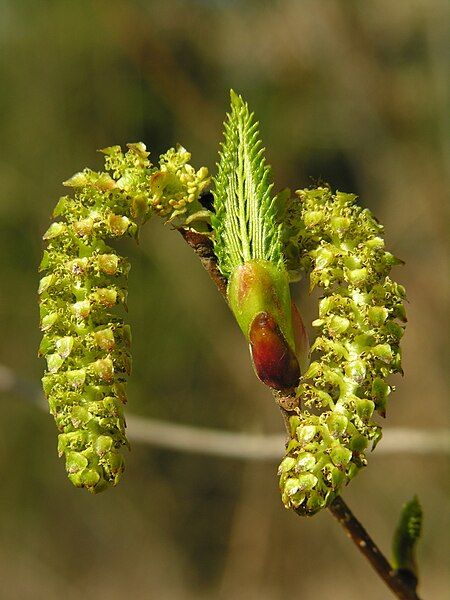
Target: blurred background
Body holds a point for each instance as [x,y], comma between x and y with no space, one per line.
[352,93]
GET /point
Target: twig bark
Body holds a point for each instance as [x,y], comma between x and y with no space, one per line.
[367,546]
[203,247]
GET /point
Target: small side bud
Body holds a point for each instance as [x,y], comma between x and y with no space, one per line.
[405,541]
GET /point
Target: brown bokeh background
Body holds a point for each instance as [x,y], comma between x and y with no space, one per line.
[353,93]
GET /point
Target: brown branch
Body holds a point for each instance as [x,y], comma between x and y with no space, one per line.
[203,247]
[359,536]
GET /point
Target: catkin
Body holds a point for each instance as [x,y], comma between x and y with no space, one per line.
[357,348]
[82,300]
[83,297]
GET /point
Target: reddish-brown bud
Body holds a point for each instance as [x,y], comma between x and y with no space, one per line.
[275,363]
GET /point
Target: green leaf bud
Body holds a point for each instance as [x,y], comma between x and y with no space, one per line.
[258,293]
[246,222]
[405,540]
[259,286]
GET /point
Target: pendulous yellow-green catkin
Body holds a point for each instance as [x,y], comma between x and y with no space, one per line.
[357,348]
[83,297]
